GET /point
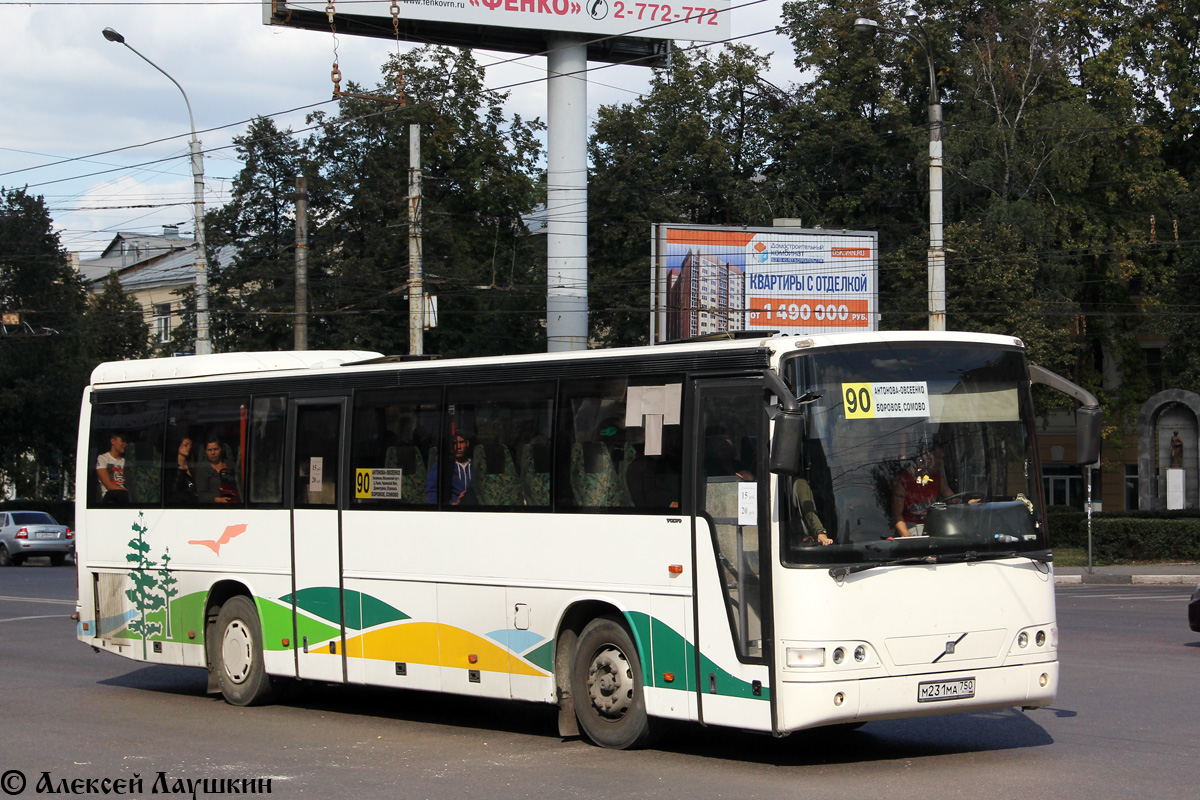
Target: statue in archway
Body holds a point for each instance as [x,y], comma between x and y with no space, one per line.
[1176,451]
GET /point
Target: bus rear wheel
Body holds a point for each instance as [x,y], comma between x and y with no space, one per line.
[606,684]
[238,655]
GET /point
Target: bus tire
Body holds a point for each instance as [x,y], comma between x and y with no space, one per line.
[238,655]
[607,687]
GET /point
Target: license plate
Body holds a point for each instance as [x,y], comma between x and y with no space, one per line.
[45,535]
[932,691]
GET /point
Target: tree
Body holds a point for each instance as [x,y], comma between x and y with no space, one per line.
[116,328]
[253,294]
[42,367]
[692,150]
[480,178]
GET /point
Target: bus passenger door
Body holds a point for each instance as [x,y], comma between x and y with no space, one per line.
[731,527]
[315,462]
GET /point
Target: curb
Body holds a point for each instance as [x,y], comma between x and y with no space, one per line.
[1138,580]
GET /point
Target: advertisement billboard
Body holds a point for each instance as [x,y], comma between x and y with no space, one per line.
[710,280]
[698,20]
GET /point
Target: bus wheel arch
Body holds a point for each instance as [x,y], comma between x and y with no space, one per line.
[234,647]
[598,671]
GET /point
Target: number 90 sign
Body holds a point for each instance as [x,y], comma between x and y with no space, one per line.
[884,400]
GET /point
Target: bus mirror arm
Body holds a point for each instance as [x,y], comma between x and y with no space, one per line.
[787,440]
[1089,417]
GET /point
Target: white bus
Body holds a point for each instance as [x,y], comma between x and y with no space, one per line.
[701,531]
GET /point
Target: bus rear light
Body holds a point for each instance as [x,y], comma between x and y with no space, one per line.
[801,657]
[669,677]
[675,569]
[23,533]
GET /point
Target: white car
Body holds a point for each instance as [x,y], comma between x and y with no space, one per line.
[33,533]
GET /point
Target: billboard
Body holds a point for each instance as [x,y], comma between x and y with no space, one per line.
[710,280]
[516,25]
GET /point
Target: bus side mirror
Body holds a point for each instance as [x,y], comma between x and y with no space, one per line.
[1088,424]
[787,443]
[1089,417]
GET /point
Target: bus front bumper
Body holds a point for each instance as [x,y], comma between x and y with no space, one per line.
[810,704]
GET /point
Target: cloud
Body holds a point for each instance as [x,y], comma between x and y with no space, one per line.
[71,93]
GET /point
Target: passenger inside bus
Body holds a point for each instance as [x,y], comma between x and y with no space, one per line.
[215,481]
[806,504]
[461,476]
[181,483]
[110,469]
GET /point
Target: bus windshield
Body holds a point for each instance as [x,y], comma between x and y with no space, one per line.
[911,452]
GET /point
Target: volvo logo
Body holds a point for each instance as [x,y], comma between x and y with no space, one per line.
[950,647]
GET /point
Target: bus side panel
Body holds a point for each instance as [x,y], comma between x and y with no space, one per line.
[391,632]
[509,624]
[150,571]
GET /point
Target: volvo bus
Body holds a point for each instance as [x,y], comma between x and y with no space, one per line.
[706,532]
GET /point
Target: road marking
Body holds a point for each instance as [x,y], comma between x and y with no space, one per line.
[38,600]
[44,616]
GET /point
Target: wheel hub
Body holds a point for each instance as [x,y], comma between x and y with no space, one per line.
[610,683]
[237,651]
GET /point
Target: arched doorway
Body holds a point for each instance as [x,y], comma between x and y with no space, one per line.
[1164,416]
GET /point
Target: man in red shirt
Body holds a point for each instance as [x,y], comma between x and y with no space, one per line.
[915,489]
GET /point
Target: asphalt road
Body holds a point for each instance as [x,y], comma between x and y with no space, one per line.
[1124,726]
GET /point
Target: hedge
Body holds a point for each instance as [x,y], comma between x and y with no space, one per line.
[63,511]
[1128,535]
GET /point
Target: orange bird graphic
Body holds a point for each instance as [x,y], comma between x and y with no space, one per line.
[215,546]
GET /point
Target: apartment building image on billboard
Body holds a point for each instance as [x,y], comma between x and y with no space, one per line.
[705,295]
[709,280]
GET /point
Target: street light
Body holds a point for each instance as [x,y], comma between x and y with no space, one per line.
[937,249]
[203,346]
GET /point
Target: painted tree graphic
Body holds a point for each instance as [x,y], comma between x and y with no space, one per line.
[166,582]
[144,583]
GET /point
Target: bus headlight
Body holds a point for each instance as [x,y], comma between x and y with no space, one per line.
[800,657]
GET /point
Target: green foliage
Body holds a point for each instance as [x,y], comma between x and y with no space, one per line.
[693,150]
[42,365]
[1122,540]
[116,328]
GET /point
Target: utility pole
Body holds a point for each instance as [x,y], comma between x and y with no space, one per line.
[301,324]
[416,293]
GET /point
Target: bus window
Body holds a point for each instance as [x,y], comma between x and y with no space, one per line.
[218,429]
[125,452]
[393,445]
[268,420]
[619,445]
[498,445]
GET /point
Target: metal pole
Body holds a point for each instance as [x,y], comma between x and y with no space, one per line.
[937,252]
[203,346]
[416,294]
[566,195]
[300,328]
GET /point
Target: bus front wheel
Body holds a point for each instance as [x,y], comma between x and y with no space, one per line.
[606,685]
[239,655]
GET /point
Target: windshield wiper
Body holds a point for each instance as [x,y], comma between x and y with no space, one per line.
[841,572]
[1044,556]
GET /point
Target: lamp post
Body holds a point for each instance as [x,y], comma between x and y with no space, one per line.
[203,346]
[937,249]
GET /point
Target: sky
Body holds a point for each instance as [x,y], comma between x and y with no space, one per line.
[103,136]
